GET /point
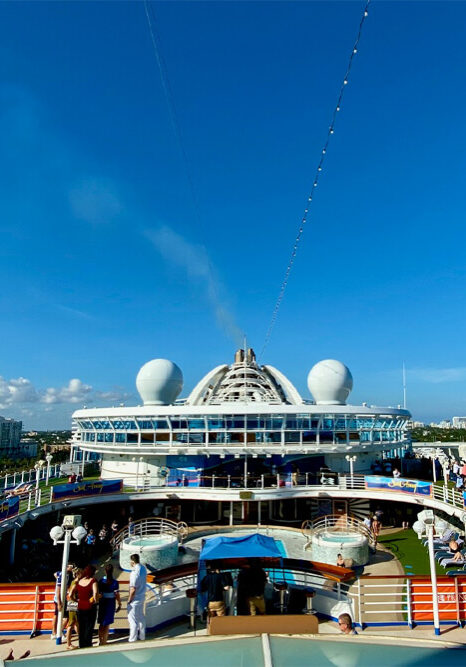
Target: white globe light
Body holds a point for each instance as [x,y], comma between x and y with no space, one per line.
[159,382]
[330,382]
[79,533]
[56,533]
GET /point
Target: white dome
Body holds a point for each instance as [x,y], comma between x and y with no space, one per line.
[330,382]
[159,382]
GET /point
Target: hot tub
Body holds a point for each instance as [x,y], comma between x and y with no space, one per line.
[155,551]
[327,545]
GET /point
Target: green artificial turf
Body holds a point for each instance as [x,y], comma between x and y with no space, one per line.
[409,550]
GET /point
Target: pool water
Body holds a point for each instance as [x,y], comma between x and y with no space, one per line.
[151,541]
[342,538]
[248,652]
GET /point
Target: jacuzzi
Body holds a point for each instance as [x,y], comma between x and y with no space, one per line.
[327,545]
[155,551]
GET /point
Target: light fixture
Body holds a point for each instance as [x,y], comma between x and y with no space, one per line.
[56,534]
[79,533]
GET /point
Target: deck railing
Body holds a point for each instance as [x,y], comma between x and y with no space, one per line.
[150,526]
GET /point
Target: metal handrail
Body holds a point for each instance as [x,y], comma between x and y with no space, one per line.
[335,523]
[150,526]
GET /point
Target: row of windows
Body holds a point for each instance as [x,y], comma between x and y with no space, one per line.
[243,422]
[251,437]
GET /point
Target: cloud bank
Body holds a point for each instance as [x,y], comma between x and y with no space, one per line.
[21,392]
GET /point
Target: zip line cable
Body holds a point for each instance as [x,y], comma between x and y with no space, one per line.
[171,104]
[323,154]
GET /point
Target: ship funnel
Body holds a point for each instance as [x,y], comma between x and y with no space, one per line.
[251,357]
[239,356]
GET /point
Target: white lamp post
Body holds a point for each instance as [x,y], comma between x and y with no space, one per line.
[67,530]
[434,470]
[351,460]
[48,458]
[38,467]
[429,522]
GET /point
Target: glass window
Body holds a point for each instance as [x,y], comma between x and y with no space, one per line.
[236,421]
[198,438]
[196,423]
[180,437]
[132,437]
[273,422]
[292,436]
[129,424]
[216,438]
[145,424]
[108,437]
[340,424]
[214,423]
[100,437]
[309,436]
[293,422]
[179,423]
[161,424]
[120,437]
[327,423]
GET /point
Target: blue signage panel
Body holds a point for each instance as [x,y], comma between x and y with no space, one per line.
[9,507]
[99,487]
[398,484]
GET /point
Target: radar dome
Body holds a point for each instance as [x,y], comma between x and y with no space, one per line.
[159,382]
[330,382]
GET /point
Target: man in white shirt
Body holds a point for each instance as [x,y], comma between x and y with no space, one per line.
[137,596]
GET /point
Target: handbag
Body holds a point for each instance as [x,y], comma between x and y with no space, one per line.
[72,605]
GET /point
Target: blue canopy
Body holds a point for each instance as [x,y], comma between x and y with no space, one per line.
[247,546]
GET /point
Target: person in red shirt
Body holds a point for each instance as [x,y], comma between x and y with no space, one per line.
[88,594]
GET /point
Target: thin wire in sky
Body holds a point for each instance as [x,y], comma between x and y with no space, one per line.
[323,154]
[212,281]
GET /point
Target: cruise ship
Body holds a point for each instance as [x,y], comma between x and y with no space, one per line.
[243,425]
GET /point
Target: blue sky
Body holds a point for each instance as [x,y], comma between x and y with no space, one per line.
[108,260]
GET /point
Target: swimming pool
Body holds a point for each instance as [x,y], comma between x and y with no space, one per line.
[249,652]
[155,551]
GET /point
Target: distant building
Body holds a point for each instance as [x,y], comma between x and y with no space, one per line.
[27,448]
[459,422]
[10,436]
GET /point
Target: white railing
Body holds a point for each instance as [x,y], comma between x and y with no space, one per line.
[405,600]
[150,526]
[336,523]
[14,479]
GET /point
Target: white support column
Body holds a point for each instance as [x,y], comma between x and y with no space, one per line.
[259,513]
[231,513]
[433,577]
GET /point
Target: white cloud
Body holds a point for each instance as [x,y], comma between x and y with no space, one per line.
[17,391]
[194,260]
[438,375]
[75,392]
[113,395]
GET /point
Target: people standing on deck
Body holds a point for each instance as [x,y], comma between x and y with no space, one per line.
[137,596]
[88,594]
[215,583]
[375,527]
[72,607]
[109,597]
[252,580]
[57,598]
